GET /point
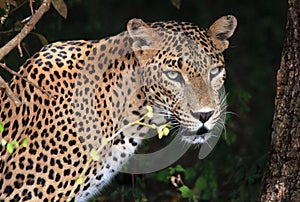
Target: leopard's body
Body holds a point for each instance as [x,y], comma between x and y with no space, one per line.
[97,88]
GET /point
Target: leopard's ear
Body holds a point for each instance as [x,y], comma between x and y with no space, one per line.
[144,37]
[221,30]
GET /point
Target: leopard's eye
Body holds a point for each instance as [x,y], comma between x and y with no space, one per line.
[215,71]
[173,75]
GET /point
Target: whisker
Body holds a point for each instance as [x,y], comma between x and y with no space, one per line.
[208,145]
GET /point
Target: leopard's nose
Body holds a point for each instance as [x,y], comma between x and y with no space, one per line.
[203,116]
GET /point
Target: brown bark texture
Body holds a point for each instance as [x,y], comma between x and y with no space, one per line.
[281,180]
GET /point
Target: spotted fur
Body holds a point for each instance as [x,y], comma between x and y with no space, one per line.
[98,87]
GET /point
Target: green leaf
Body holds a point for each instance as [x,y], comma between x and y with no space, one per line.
[25,142]
[1,127]
[163,176]
[186,192]
[61,7]
[201,183]
[3,142]
[190,174]
[179,168]
[79,180]
[11,146]
[94,155]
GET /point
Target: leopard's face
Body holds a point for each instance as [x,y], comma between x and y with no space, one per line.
[193,100]
[184,80]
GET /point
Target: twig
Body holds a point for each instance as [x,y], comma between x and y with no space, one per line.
[18,7]
[45,6]
[24,78]
[9,92]
[31,6]
[20,50]
[26,29]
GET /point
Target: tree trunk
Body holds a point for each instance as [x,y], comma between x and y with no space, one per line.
[281,180]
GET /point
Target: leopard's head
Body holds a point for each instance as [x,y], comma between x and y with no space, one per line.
[184,72]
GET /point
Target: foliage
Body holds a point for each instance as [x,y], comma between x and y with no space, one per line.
[1,127]
[186,192]
[12,145]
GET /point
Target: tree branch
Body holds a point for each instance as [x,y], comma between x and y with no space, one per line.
[45,6]
[26,29]
[8,91]
[24,78]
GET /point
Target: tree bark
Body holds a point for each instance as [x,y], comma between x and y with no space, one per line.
[281,180]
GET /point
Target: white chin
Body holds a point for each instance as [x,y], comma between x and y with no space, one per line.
[196,139]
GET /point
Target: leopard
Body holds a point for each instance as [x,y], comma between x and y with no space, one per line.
[75,133]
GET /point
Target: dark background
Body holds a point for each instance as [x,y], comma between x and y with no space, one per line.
[233,171]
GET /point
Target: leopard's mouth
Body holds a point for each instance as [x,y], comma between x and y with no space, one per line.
[199,136]
[192,135]
[196,139]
